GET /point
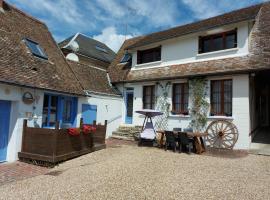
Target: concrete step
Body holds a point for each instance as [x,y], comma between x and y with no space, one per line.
[259,149]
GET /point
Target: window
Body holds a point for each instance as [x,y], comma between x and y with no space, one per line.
[149,55]
[149,97]
[126,58]
[221,97]
[49,110]
[216,42]
[59,108]
[67,108]
[180,98]
[36,49]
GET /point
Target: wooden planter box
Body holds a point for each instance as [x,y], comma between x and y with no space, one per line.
[56,145]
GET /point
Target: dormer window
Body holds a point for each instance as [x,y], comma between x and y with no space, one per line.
[36,49]
[149,55]
[216,42]
[126,58]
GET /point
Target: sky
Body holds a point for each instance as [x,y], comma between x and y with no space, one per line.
[113,21]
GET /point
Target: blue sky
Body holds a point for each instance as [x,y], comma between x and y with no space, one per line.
[111,21]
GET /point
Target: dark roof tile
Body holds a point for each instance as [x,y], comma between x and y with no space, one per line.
[258,58]
[19,66]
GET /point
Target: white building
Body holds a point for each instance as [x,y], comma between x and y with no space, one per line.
[37,83]
[230,51]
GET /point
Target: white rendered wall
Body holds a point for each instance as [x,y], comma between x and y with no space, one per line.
[108,108]
[185,49]
[18,114]
[240,107]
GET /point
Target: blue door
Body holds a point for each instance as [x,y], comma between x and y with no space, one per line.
[89,113]
[129,106]
[4,128]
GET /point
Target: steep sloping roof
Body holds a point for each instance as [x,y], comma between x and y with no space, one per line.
[90,47]
[92,78]
[19,66]
[227,18]
[258,58]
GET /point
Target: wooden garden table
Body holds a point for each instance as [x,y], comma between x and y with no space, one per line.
[197,136]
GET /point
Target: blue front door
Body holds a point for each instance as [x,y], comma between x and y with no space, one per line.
[89,113]
[4,128]
[129,106]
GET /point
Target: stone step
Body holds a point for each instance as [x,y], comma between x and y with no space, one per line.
[129,128]
[122,133]
[123,138]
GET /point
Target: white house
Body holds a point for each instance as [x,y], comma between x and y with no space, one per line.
[37,83]
[230,51]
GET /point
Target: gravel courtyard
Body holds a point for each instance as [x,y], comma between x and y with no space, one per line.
[131,172]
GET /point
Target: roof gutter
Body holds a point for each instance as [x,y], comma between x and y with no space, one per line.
[39,88]
[89,92]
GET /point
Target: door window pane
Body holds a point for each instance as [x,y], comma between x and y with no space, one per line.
[67,110]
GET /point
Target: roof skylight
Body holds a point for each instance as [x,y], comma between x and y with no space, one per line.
[35,49]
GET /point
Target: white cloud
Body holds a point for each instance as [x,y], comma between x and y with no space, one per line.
[110,37]
[204,9]
[157,12]
[53,12]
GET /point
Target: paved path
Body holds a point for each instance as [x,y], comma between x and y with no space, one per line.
[10,172]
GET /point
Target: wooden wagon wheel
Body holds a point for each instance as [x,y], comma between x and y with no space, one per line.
[222,134]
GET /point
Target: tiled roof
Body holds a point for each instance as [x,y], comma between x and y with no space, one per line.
[227,18]
[258,58]
[92,78]
[89,61]
[18,65]
[88,47]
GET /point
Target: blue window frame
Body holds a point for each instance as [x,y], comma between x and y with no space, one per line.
[36,49]
[59,108]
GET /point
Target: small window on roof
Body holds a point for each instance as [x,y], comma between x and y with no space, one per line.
[36,49]
[100,48]
[126,58]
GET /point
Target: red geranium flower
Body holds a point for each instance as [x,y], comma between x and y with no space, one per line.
[73,131]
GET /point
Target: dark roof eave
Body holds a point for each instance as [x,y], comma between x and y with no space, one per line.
[190,32]
[40,88]
[245,71]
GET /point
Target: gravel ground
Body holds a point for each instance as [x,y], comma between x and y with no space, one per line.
[131,172]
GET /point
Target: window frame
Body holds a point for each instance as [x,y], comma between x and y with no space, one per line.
[182,102]
[61,100]
[222,98]
[42,54]
[152,95]
[154,58]
[213,36]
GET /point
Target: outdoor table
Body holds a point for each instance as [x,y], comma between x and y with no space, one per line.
[197,136]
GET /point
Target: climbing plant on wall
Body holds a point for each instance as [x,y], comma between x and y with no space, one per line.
[199,105]
[162,104]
